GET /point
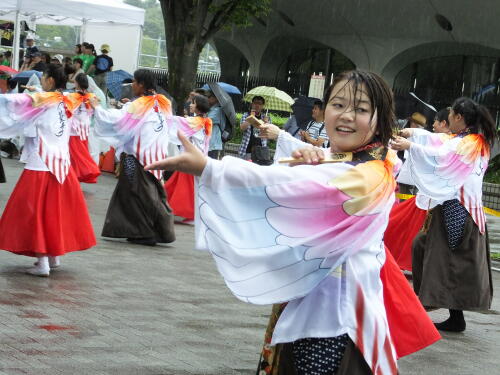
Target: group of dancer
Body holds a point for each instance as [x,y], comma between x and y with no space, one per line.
[308,239]
[46,215]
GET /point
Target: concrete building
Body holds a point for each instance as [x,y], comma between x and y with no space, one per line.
[440,49]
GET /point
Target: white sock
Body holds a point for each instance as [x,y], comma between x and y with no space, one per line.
[54,261]
[43,264]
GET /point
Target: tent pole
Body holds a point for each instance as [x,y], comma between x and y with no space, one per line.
[140,48]
[83,30]
[17,38]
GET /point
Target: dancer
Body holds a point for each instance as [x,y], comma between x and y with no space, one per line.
[139,132]
[451,261]
[46,215]
[84,166]
[410,326]
[310,235]
[180,186]
[406,218]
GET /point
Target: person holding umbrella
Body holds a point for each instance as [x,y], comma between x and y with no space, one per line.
[223,118]
[251,139]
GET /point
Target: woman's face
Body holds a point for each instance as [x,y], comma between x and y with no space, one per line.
[137,88]
[440,126]
[192,107]
[348,121]
[47,83]
[457,123]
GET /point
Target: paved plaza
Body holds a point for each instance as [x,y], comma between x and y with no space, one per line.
[126,309]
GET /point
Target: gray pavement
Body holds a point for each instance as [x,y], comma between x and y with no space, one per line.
[126,309]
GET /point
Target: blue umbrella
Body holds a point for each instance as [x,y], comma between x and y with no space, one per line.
[26,74]
[230,89]
[114,81]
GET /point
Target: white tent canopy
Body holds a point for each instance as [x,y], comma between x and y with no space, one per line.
[72,13]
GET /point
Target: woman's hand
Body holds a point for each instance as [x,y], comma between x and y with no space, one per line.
[269,131]
[400,144]
[406,133]
[308,155]
[94,101]
[191,161]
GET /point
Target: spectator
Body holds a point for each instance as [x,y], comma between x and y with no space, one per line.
[7,58]
[292,127]
[416,120]
[37,63]
[87,56]
[73,71]
[57,59]
[78,51]
[250,140]
[315,132]
[102,64]
[218,124]
[46,57]
[30,46]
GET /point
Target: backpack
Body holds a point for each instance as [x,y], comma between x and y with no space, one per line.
[102,64]
[227,132]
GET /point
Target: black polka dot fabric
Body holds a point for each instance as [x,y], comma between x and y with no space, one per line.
[454,220]
[129,168]
[319,356]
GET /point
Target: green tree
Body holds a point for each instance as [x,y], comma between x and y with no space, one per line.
[190,24]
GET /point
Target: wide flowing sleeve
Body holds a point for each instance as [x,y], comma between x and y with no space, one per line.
[107,125]
[192,127]
[16,114]
[275,232]
[426,138]
[286,144]
[439,171]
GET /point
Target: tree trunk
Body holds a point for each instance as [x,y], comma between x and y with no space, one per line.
[184,22]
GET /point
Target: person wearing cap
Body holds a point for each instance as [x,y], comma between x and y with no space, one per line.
[102,64]
[37,63]
[30,46]
[416,120]
[57,59]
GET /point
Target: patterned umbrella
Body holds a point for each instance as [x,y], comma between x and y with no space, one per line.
[114,80]
[276,100]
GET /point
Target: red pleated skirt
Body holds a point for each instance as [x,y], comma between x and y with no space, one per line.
[410,326]
[44,217]
[84,166]
[405,221]
[180,194]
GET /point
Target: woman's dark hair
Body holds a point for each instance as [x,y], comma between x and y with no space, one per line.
[200,92]
[381,99]
[56,72]
[145,78]
[477,117]
[79,61]
[46,57]
[318,103]
[79,46]
[68,69]
[442,115]
[82,81]
[91,46]
[201,103]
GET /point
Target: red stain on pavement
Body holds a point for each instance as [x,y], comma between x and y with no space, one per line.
[54,327]
[33,315]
